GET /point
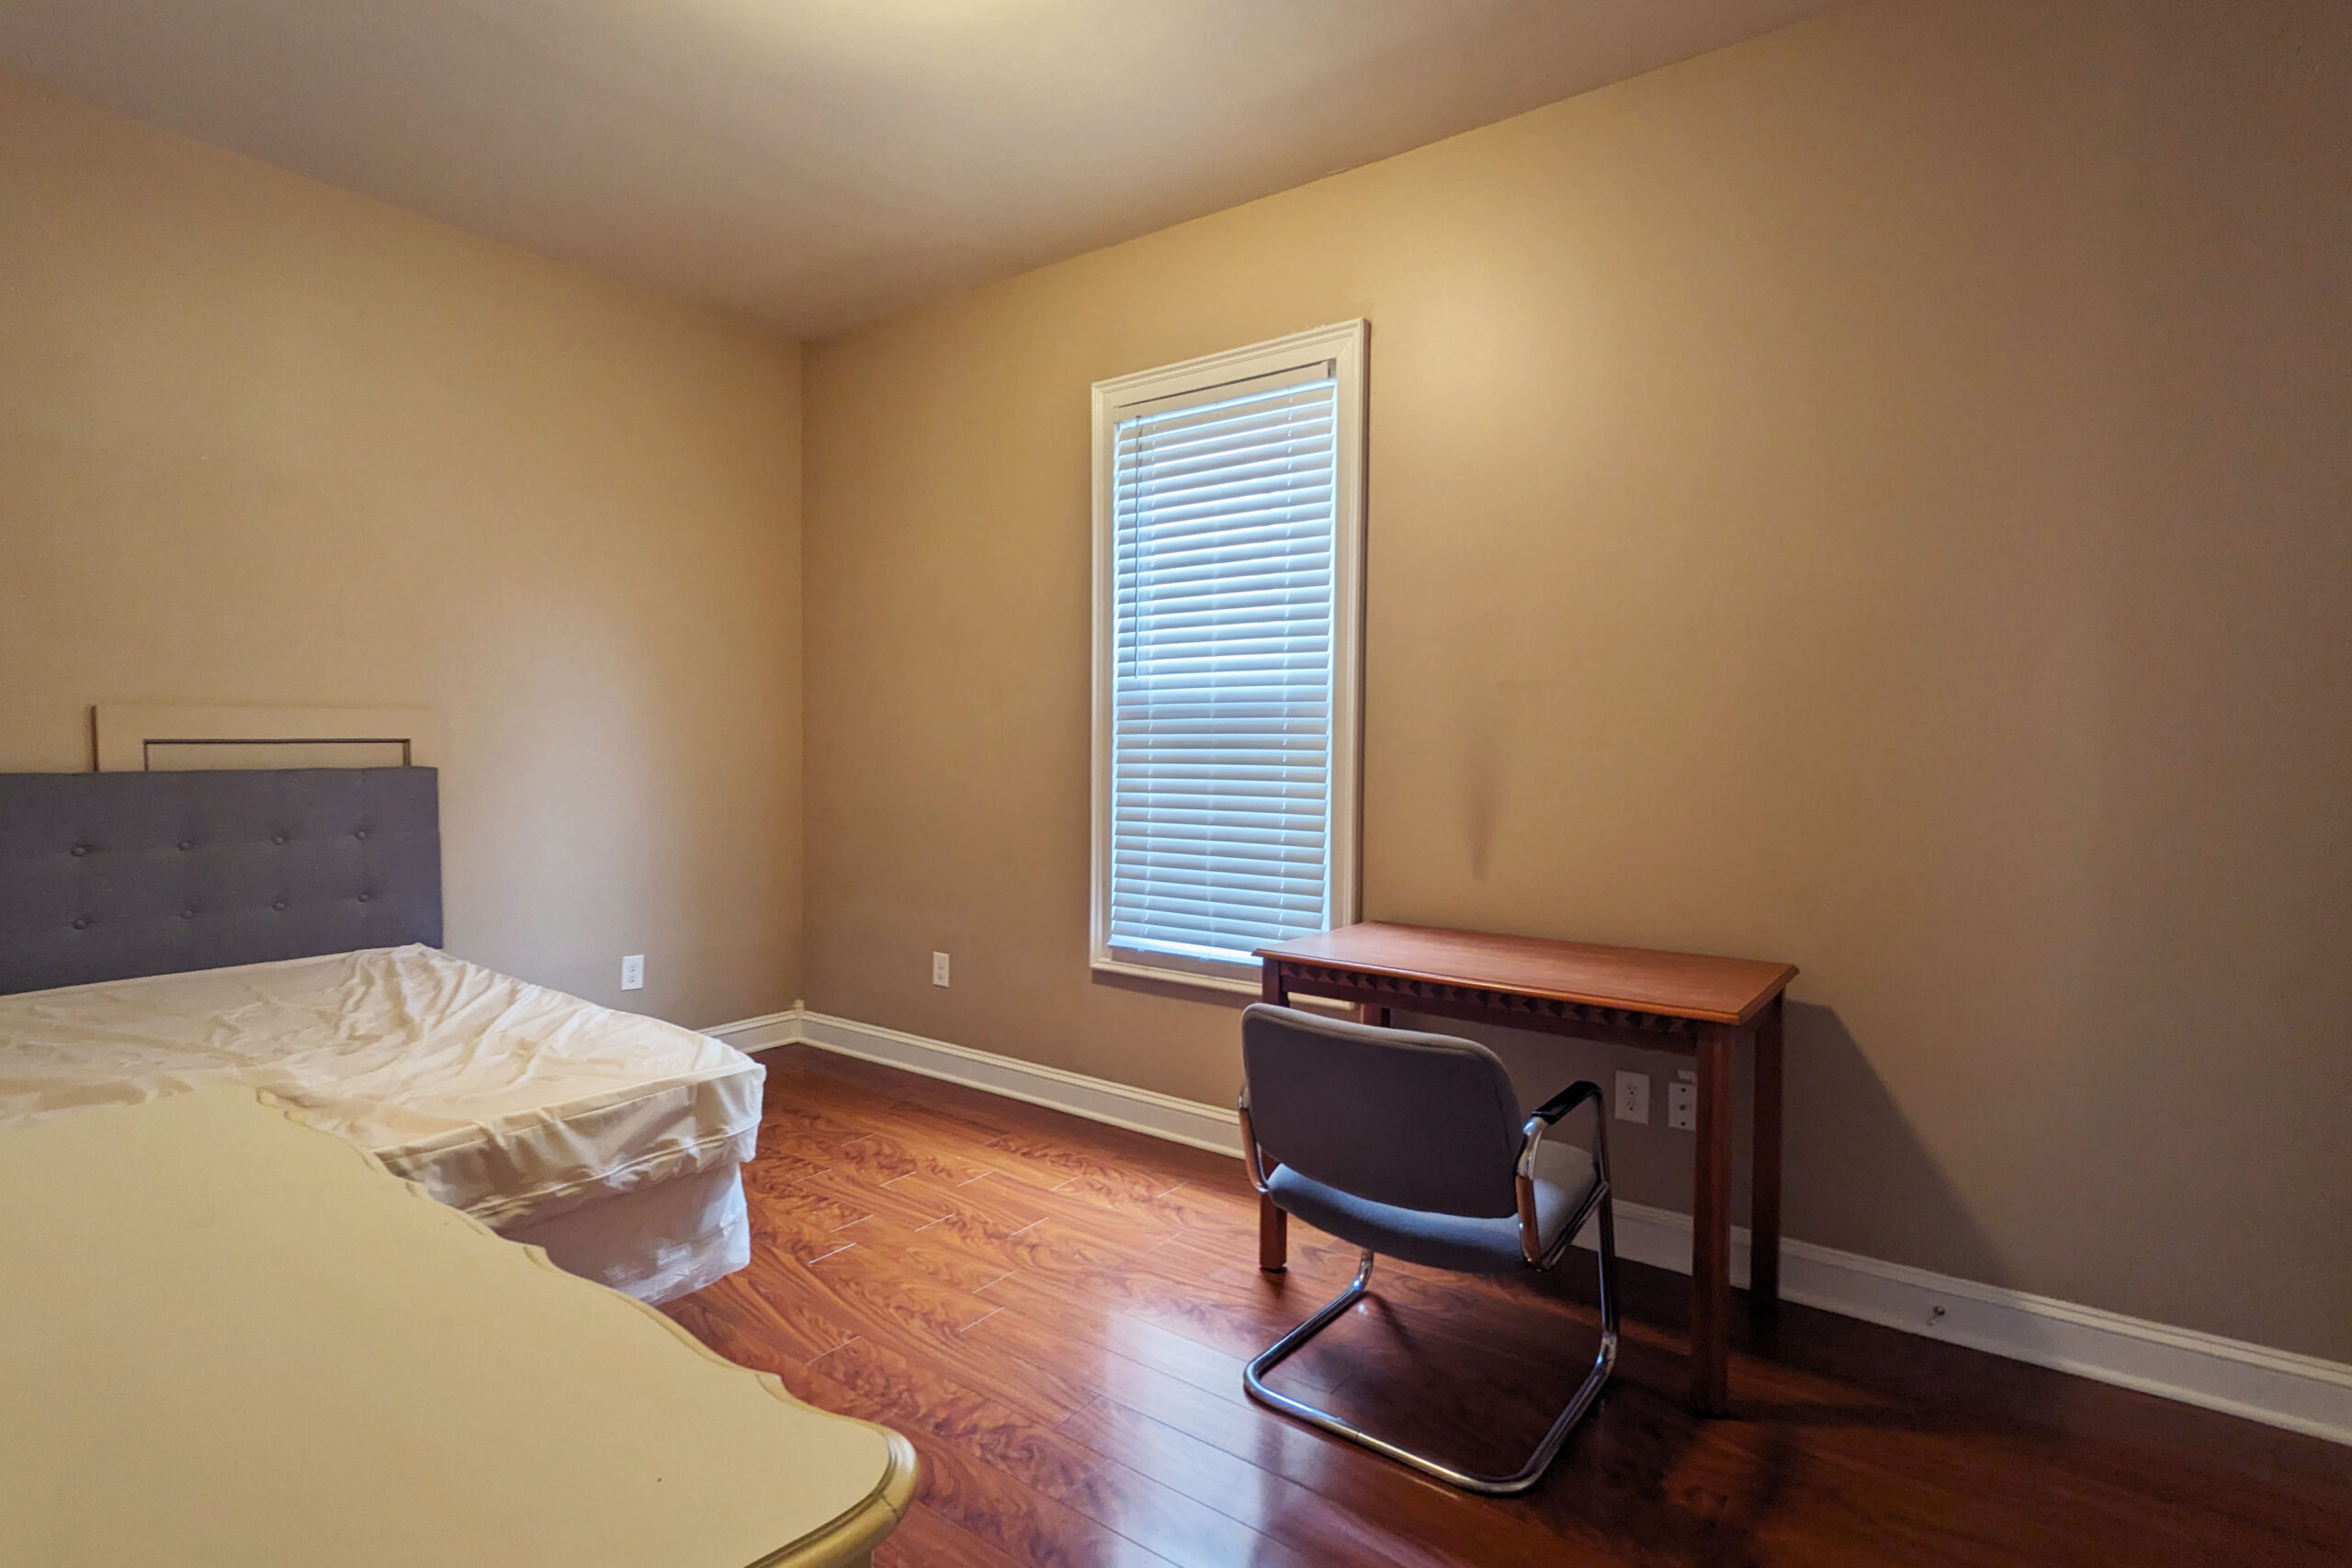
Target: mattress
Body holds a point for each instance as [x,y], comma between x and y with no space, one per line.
[655,1243]
[509,1101]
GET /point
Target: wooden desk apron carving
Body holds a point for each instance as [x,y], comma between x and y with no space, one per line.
[1661,1001]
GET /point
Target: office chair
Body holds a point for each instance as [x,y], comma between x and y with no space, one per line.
[1411,1144]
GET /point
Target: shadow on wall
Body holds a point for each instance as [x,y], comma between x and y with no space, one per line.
[1847,1148]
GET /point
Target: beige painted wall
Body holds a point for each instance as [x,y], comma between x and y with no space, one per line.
[265,442]
[1875,497]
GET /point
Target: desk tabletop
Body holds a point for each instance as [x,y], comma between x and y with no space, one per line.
[1677,985]
[235,1340]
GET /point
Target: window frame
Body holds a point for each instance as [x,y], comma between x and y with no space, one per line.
[1343,346]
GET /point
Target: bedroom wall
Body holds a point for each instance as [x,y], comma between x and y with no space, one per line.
[1874,497]
[263,441]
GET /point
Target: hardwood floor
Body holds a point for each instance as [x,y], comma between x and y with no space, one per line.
[1057,1312]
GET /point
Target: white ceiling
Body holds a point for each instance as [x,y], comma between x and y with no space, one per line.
[819,162]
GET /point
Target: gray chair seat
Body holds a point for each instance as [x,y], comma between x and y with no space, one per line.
[1564,1174]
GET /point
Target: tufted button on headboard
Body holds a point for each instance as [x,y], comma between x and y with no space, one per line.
[108,875]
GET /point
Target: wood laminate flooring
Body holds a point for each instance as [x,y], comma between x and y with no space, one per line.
[1057,1312]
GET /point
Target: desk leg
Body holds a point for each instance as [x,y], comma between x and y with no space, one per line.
[1764,1205]
[1711,1226]
[1273,1226]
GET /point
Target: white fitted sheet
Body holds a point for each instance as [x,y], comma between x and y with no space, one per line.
[506,1099]
[655,1243]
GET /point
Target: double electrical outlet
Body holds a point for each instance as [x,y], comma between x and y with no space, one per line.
[1633,1102]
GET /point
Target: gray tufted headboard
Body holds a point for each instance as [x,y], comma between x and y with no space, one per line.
[104,876]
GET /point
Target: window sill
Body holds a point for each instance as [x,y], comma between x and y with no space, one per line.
[1234,985]
[1238,984]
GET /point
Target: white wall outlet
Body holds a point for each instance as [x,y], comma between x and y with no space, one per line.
[1682,1103]
[1632,1097]
[939,968]
[633,972]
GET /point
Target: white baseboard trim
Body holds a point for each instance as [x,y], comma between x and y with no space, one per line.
[2280,1388]
[1098,1100]
[762,1033]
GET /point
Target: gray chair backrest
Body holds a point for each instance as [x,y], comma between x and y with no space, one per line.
[1417,1121]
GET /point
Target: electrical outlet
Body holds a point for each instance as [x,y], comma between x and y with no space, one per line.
[939,969]
[633,972]
[1682,1103]
[1632,1097]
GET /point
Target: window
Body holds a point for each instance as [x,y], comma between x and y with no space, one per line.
[1229,546]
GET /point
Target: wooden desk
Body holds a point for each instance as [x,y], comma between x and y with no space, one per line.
[1660,1002]
[233,1340]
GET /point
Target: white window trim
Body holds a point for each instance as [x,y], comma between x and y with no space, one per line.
[1343,345]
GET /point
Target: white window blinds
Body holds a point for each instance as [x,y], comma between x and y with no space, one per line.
[1225,534]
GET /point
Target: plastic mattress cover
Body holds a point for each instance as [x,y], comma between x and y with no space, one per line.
[506,1099]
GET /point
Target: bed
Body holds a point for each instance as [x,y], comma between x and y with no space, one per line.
[280,929]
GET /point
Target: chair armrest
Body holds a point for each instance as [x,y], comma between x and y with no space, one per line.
[1252,1160]
[1530,1245]
[1560,1104]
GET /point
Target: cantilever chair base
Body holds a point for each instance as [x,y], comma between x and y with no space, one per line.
[1519,1480]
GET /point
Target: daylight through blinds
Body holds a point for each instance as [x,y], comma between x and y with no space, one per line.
[1222,517]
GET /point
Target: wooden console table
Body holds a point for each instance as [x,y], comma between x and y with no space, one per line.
[1660,1002]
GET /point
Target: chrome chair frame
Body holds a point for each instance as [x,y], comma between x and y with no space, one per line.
[1538,1258]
